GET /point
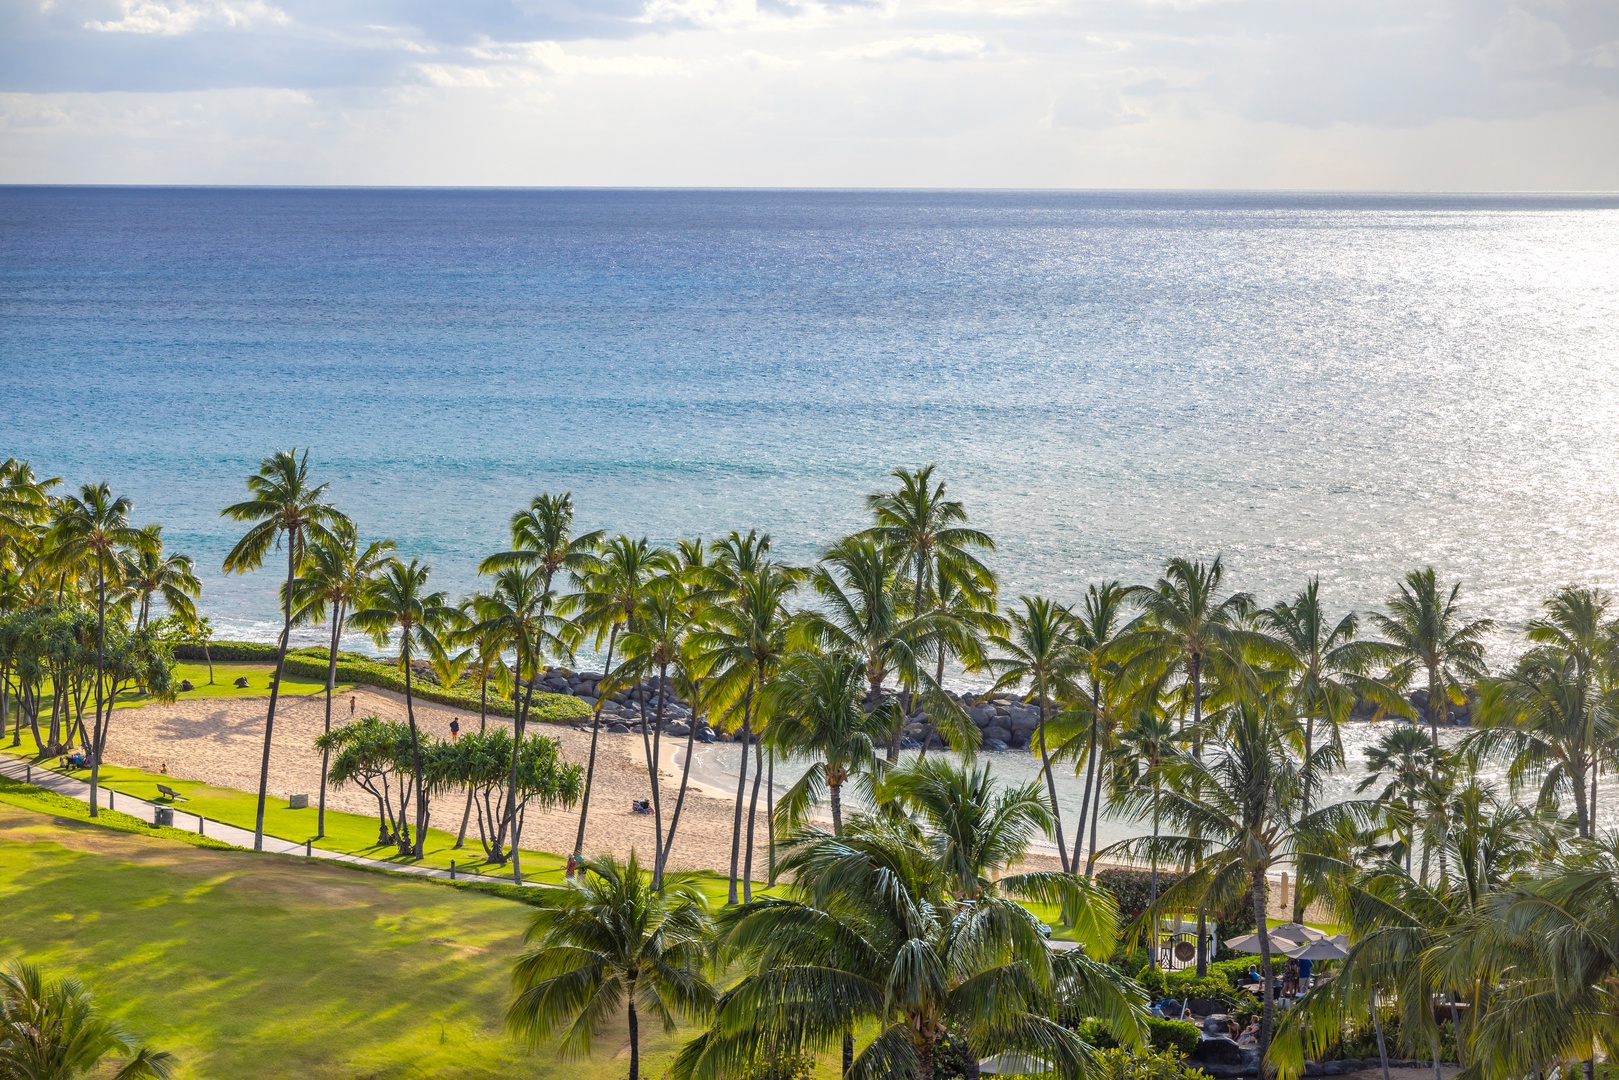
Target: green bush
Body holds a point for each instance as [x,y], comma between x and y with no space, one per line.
[1117,1063]
[1180,1036]
[1132,888]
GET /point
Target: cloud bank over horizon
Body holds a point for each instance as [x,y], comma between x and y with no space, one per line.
[1343,94]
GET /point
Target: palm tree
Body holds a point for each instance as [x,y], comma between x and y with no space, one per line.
[487,643]
[94,527]
[1424,629]
[1544,718]
[965,618]
[874,937]
[864,611]
[1185,624]
[815,712]
[1575,623]
[610,587]
[1405,761]
[1095,633]
[54,1031]
[335,575]
[605,941]
[743,650]
[927,533]
[396,601]
[1039,651]
[285,508]
[147,571]
[1327,670]
[1143,745]
[25,504]
[515,613]
[543,543]
[1237,809]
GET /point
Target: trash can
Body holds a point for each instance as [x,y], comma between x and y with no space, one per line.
[163,815]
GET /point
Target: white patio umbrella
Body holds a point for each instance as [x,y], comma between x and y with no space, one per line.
[1325,949]
[1297,932]
[1013,1063]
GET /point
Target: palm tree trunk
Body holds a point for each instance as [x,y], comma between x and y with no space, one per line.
[595,734]
[680,799]
[1309,748]
[635,1037]
[275,692]
[835,797]
[741,790]
[1152,888]
[653,750]
[1090,769]
[1197,751]
[326,754]
[770,814]
[753,816]
[101,649]
[924,1059]
[1096,815]
[1051,782]
[483,713]
[1267,1018]
[517,745]
[1382,1047]
[416,768]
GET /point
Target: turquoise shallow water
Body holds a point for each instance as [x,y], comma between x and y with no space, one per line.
[1349,386]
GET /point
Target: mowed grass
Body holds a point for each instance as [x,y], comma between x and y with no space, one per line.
[224,684]
[257,966]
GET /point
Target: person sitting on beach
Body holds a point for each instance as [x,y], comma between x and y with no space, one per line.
[164,768]
[641,806]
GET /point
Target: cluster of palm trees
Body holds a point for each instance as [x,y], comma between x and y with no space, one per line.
[78,580]
[903,934]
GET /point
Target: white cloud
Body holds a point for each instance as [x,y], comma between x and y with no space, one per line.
[1524,43]
[930,47]
[183,16]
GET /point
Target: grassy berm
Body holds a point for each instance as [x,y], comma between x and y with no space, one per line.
[250,967]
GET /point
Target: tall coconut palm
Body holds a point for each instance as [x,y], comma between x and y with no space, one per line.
[1038,652]
[610,588]
[487,642]
[816,713]
[93,527]
[609,940]
[1186,624]
[873,937]
[516,613]
[1095,632]
[1143,745]
[148,571]
[1327,670]
[966,618]
[54,1031]
[865,610]
[397,602]
[691,667]
[1405,761]
[1236,812]
[25,504]
[543,543]
[285,508]
[743,651]
[1425,630]
[335,575]
[928,534]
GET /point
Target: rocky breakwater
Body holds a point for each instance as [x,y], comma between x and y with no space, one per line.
[1004,721]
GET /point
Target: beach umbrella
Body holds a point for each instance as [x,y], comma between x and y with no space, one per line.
[1013,1063]
[1297,932]
[1250,943]
[1325,949]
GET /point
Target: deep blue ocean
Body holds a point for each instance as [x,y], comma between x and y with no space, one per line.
[1348,386]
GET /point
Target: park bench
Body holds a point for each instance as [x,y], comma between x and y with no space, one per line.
[166,790]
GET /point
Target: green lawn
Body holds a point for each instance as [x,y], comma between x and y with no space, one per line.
[259,967]
[224,684]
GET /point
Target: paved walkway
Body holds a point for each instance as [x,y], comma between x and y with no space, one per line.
[51,780]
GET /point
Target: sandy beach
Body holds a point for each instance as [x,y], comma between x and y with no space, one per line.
[220,742]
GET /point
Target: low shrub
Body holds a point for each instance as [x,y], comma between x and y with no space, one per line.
[1180,1036]
[1117,1063]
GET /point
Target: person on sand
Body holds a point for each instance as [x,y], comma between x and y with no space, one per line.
[351,707]
[455,729]
[164,768]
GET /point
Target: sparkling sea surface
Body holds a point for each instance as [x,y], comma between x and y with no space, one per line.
[1342,385]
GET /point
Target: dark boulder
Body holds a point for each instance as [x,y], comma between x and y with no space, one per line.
[185,684]
[1222,1057]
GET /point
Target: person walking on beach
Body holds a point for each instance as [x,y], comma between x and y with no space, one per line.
[455,729]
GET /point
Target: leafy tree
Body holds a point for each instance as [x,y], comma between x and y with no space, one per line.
[1405,761]
[285,508]
[609,941]
[147,571]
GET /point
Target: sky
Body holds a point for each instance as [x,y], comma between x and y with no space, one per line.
[1324,94]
